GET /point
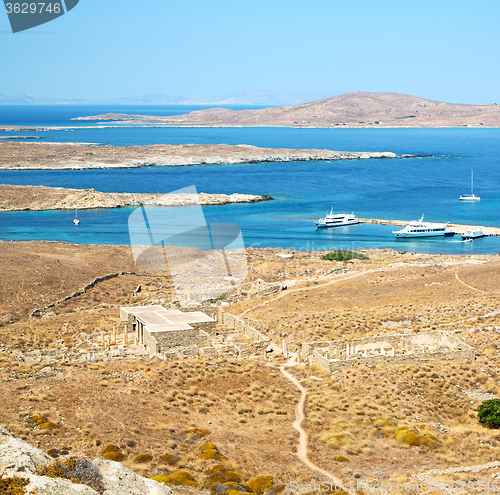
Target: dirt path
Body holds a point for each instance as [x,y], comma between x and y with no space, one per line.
[304,438]
[467,285]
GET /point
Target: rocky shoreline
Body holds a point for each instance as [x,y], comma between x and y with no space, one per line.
[41,198]
[75,156]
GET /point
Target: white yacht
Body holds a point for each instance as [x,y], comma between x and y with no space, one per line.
[423,229]
[471,196]
[473,234]
[336,220]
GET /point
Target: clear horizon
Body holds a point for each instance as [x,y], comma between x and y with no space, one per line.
[445,51]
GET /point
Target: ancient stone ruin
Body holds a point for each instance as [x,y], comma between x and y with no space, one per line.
[173,334]
[395,349]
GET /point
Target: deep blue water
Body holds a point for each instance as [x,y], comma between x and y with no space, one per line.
[387,189]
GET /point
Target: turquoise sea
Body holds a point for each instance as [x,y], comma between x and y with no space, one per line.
[403,188]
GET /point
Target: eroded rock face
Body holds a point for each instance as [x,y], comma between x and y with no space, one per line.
[118,479]
[42,485]
[19,459]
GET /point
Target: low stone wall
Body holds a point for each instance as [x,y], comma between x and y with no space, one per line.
[260,342]
[37,312]
[412,349]
[178,339]
[398,360]
[209,352]
[308,347]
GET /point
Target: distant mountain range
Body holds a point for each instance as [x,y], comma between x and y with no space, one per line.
[248,98]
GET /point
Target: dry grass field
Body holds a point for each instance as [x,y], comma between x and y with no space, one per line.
[364,423]
[147,407]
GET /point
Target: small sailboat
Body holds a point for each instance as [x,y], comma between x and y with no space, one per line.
[76,221]
[471,196]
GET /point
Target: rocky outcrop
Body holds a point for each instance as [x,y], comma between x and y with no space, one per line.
[73,156]
[17,457]
[118,479]
[21,460]
[37,198]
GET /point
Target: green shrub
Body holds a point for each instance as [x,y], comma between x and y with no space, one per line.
[113,453]
[260,484]
[221,474]
[341,255]
[80,471]
[489,412]
[199,432]
[143,458]
[411,437]
[13,486]
[182,478]
[169,459]
[340,458]
[206,446]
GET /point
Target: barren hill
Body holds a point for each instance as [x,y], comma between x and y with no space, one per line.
[36,198]
[26,156]
[356,109]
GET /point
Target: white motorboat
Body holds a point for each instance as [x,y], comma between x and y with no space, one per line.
[473,234]
[423,229]
[75,220]
[471,196]
[336,220]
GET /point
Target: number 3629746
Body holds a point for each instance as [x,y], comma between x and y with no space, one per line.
[33,8]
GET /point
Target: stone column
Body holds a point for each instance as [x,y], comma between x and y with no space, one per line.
[113,340]
[347,352]
[285,349]
[125,337]
[298,356]
[392,352]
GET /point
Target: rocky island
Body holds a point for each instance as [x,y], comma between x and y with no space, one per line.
[32,156]
[356,109]
[38,198]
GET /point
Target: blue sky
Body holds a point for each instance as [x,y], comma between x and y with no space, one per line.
[439,49]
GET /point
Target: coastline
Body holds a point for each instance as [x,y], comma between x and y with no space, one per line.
[41,198]
[77,156]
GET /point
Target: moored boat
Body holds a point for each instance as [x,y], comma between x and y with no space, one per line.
[473,234]
[471,196]
[419,228]
[336,220]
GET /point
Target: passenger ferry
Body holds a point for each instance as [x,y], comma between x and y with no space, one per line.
[423,229]
[336,220]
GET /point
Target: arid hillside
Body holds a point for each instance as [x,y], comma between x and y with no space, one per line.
[356,109]
[368,422]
